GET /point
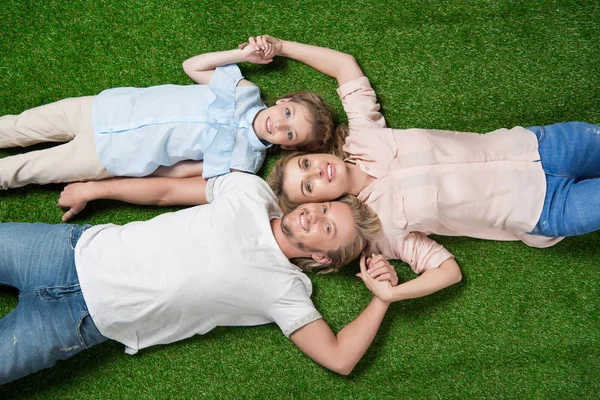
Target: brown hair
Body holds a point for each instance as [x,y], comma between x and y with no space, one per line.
[367,226]
[322,120]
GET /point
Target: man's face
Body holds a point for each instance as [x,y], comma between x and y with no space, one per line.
[320,227]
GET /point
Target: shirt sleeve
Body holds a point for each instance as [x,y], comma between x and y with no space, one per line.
[415,249]
[360,103]
[294,309]
[228,183]
[226,75]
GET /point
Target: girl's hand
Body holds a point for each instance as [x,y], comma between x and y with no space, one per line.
[382,289]
[265,45]
[253,56]
[379,268]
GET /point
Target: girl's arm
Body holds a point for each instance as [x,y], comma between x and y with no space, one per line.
[341,352]
[145,191]
[200,68]
[430,281]
[336,64]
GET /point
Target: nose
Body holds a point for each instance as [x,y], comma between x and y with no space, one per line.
[282,124]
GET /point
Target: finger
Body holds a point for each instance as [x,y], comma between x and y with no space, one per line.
[67,216]
[242,46]
[359,275]
[384,277]
[363,267]
[252,42]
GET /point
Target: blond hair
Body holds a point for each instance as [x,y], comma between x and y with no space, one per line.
[321,118]
[367,226]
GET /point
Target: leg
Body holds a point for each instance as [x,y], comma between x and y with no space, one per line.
[570,149]
[55,122]
[51,322]
[570,207]
[48,325]
[76,160]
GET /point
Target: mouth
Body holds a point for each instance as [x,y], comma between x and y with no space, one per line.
[268,125]
[330,172]
[303,221]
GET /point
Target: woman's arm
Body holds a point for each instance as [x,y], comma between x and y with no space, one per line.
[336,64]
[430,281]
[341,352]
[145,191]
[200,68]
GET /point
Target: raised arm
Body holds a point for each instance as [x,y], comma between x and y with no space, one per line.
[341,352]
[145,191]
[200,68]
[336,64]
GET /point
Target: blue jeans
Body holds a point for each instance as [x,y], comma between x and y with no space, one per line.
[570,156]
[51,321]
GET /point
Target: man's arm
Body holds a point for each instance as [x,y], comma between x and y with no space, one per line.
[336,64]
[200,68]
[145,191]
[341,352]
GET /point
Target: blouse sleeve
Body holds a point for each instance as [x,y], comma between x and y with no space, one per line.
[415,249]
[360,103]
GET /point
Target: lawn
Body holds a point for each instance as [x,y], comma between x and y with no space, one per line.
[523,323]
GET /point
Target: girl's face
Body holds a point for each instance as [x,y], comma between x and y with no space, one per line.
[314,178]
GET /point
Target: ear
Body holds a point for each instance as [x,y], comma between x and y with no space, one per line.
[321,258]
[284,100]
[293,148]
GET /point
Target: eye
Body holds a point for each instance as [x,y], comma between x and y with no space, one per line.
[328,228]
[309,187]
[287,113]
[305,163]
[290,136]
[324,209]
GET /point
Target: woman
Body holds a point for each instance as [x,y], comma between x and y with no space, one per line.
[533,185]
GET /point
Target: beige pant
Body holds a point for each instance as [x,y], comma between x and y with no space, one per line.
[68,120]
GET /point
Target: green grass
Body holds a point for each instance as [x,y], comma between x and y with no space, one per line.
[523,323]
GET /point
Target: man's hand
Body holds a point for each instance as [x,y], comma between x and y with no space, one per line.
[72,200]
[380,288]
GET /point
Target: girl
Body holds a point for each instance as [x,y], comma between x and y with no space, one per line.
[534,185]
[135,131]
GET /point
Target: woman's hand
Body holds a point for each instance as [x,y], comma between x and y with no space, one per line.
[380,288]
[380,268]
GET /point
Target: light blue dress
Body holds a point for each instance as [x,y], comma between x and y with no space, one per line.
[139,129]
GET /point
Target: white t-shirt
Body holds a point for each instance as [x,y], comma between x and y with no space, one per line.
[184,273]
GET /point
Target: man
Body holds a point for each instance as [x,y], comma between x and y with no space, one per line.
[180,274]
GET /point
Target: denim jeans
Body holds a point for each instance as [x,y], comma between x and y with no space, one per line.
[51,321]
[570,156]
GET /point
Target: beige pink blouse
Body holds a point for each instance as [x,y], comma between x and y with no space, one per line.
[488,186]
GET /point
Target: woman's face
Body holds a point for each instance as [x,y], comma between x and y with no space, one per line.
[314,178]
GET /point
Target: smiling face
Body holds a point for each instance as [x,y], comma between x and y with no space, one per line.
[315,177]
[287,123]
[320,227]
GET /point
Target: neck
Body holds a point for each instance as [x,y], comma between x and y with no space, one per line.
[357,178]
[284,243]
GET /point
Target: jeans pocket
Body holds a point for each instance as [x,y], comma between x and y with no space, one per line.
[89,335]
[75,234]
[58,293]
